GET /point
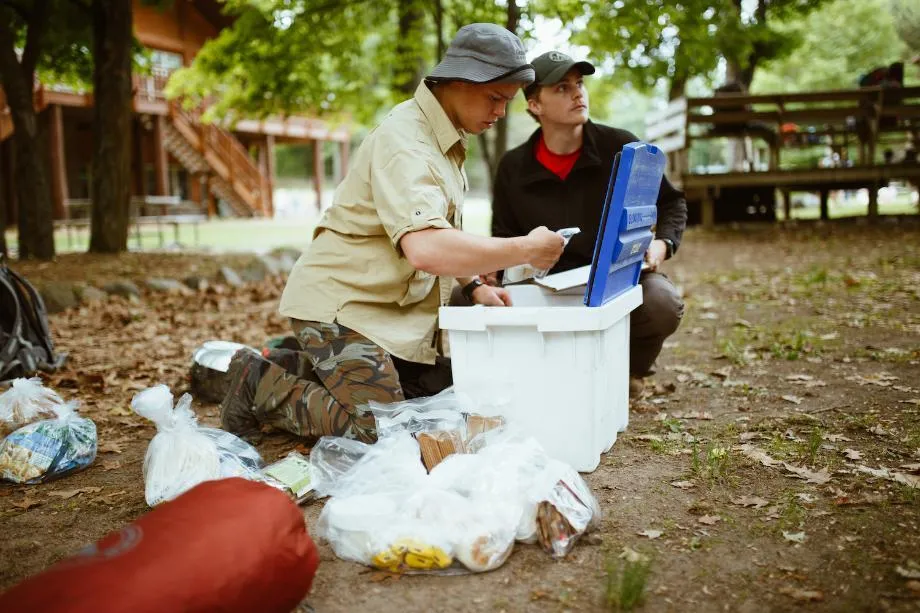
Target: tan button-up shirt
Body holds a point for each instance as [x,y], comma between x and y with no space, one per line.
[406,176]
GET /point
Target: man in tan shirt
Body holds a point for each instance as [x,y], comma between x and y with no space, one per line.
[363,298]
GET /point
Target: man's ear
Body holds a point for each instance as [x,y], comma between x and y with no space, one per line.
[534,106]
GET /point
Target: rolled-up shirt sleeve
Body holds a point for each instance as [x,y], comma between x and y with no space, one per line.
[407,194]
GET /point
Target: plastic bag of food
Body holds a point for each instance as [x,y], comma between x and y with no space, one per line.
[566,508]
[443,411]
[293,475]
[183,454]
[49,448]
[330,459]
[26,401]
[391,465]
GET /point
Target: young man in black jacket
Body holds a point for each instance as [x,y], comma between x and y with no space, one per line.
[558,179]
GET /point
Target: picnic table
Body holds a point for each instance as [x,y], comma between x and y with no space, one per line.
[159,211]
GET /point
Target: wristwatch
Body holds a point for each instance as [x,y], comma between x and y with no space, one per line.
[670,247]
[470,287]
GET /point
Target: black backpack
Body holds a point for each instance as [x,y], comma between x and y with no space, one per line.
[25,340]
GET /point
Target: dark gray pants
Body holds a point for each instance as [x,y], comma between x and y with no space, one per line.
[651,323]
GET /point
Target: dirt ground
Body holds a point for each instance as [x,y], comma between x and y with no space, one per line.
[773,464]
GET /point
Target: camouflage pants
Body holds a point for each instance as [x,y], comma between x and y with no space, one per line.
[324,388]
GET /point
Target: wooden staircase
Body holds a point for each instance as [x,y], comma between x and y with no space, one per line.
[234,176]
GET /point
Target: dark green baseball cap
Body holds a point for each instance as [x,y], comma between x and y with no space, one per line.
[551,67]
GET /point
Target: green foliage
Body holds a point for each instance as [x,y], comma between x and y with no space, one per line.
[65,55]
[840,41]
[316,57]
[648,42]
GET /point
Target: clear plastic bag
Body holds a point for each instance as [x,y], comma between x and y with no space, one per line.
[183,454]
[566,509]
[331,458]
[443,411]
[49,448]
[26,401]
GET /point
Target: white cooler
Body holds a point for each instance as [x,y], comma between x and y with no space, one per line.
[554,368]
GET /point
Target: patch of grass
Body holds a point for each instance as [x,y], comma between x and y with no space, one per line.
[626,583]
[813,444]
[863,421]
[792,345]
[792,515]
[711,462]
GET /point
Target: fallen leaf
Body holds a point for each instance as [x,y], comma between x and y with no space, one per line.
[852,454]
[723,373]
[683,485]
[759,455]
[65,494]
[802,595]
[650,534]
[795,537]
[649,437]
[913,586]
[836,438]
[911,467]
[792,399]
[110,447]
[111,465]
[709,520]
[805,497]
[879,431]
[821,477]
[26,503]
[913,572]
[799,377]
[749,436]
[750,501]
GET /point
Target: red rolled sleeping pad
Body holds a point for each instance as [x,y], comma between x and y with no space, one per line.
[228,545]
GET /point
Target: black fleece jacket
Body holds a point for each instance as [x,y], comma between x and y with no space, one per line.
[527,195]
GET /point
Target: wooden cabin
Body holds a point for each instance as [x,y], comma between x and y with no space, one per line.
[175,156]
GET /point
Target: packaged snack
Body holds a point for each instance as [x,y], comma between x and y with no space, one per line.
[294,475]
[49,448]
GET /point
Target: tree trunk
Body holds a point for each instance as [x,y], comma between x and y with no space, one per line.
[409,47]
[33,187]
[492,152]
[439,28]
[112,44]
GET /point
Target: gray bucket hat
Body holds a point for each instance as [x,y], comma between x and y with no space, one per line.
[484,53]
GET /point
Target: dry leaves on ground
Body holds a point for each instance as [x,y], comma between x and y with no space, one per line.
[66,494]
[802,595]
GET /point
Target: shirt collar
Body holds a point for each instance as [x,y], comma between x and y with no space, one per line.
[445,131]
[533,170]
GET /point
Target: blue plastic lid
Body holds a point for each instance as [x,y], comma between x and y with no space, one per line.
[630,210]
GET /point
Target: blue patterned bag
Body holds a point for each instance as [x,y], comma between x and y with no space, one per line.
[49,448]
